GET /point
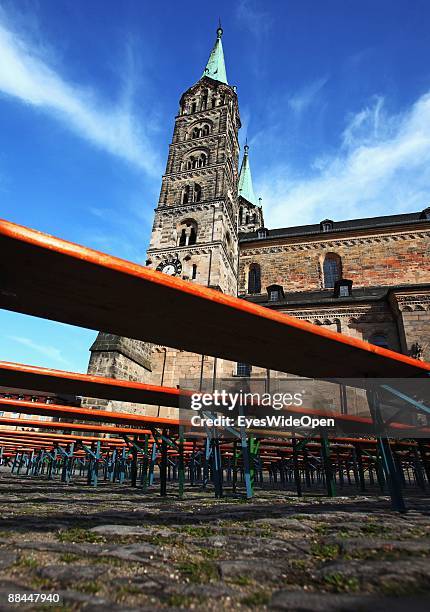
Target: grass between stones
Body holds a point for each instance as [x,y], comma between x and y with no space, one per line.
[198,571]
[340,583]
[77,534]
[256,600]
[26,562]
[325,551]
[177,600]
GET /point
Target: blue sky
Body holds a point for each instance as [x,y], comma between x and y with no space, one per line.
[334,98]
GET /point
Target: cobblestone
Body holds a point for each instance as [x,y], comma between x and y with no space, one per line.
[117,548]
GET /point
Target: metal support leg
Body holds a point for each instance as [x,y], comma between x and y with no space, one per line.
[389,467]
[296,467]
[163,466]
[181,464]
[328,468]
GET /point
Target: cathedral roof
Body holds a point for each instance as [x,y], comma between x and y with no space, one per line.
[245,188]
[215,68]
[340,226]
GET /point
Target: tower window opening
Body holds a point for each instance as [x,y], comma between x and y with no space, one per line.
[193,236]
[332,270]
[197,193]
[193,106]
[205,130]
[202,161]
[254,279]
[187,231]
[183,237]
[195,133]
[186,195]
[194,273]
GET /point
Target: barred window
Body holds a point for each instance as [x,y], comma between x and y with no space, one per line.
[243,369]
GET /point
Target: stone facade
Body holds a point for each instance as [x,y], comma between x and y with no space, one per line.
[369,258]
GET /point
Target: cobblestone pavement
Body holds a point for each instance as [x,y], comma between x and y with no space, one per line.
[115,548]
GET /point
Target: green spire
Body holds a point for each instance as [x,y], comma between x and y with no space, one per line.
[245,188]
[215,68]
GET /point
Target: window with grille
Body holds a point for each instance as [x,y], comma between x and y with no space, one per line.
[243,369]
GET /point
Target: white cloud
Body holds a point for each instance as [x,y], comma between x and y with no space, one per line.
[304,98]
[48,351]
[256,21]
[26,73]
[382,167]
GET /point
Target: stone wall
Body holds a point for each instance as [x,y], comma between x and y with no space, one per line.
[371,258]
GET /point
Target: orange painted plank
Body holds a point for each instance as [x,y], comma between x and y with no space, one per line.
[74,427]
[33,378]
[59,280]
[83,414]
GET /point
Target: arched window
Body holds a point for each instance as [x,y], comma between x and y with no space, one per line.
[195,133]
[205,130]
[183,237]
[194,274]
[202,160]
[197,193]
[186,195]
[332,270]
[379,339]
[190,163]
[193,235]
[254,278]
[193,106]
[187,232]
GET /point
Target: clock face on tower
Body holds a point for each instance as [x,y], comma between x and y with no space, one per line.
[170,266]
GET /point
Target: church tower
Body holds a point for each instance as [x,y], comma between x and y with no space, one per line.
[195,232]
[195,229]
[250,213]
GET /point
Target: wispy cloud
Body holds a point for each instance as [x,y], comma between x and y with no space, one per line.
[27,74]
[382,167]
[44,349]
[303,99]
[258,22]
